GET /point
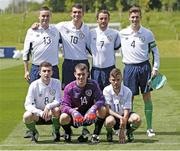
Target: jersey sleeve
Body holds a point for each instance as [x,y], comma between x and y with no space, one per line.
[117,42]
[66,105]
[99,98]
[30,101]
[128,100]
[155,52]
[107,96]
[27,45]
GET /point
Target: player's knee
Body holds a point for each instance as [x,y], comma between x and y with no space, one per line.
[64,119]
[27,117]
[102,112]
[56,112]
[135,118]
[109,121]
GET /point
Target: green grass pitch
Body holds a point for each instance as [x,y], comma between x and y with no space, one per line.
[166,123]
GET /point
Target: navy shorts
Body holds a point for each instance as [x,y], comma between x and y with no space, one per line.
[101,75]
[41,121]
[136,76]
[68,70]
[34,73]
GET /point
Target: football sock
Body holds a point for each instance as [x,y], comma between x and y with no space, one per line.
[67,129]
[55,124]
[148,113]
[109,129]
[31,126]
[132,127]
[98,125]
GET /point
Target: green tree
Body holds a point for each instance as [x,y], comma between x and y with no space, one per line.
[155,4]
[55,5]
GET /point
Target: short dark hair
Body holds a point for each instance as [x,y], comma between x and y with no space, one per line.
[115,72]
[45,64]
[78,6]
[104,11]
[134,9]
[81,67]
[44,8]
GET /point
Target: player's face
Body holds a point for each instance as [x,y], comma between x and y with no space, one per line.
[116,82]
[103,20]
[46,73]
[44,18]
[81,77]
[134,19]
[77,14]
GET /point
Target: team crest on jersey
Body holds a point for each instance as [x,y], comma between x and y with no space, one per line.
[126,38]
[52,92]
[81,35]
[67,31]
[110,38]
[142,39]
[88,92]
[37,35]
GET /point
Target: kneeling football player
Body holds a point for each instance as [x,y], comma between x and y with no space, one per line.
[82,105]
[42,103]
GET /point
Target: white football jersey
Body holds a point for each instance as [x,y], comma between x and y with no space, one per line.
[118,102]
[74,40]
[103,45]
[135,46]
[45,45]
[40,95]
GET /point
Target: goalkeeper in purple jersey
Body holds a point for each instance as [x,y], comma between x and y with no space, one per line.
[82,105]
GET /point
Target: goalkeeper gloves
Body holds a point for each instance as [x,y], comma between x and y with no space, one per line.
[90,116]
[77,118]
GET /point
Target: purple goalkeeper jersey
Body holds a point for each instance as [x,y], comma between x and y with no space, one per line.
[81,99]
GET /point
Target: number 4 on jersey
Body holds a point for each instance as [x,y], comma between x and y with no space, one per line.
[133,44]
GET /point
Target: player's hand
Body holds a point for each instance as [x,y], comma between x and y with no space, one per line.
[46,115]
[35,26]
[26,76]
[122,136]
[154,73]
[90,117]
[77,118]
[123,122]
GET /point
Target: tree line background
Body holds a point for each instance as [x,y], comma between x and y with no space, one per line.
[19,6]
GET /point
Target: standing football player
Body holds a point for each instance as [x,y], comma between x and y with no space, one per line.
[136,43]
[42,103]
[104,42]
[75,37]
[43,45]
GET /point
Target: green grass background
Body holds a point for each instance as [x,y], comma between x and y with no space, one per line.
[13,88]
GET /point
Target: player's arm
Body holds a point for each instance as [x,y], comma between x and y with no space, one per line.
[156,62]
[155,53]
[122,131]
[98,96]
[117,42]
[30,104]
[111,112]
[26,53]
[35,26]
[88,42]
[66,107]
[66,104]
